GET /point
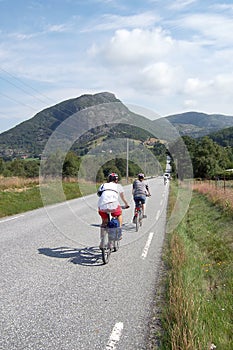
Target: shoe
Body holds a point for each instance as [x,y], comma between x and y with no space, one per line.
[144,216]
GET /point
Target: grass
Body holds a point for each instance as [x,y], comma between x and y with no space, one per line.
[18,195]
[197,310]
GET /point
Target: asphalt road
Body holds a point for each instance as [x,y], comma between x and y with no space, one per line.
[55,291]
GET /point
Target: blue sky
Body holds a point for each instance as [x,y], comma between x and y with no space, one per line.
[165,56]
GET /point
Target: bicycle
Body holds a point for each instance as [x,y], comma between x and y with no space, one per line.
[110,236]
[138,215]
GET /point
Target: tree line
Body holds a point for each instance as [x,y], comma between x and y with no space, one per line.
[208,160]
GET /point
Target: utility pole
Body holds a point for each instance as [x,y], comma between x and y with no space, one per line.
[127,160]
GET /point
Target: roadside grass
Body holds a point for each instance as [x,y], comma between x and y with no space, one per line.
[197,310]
[18,195]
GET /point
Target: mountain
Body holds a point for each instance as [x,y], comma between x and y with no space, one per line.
[79,122]
[197,124]
[84,118]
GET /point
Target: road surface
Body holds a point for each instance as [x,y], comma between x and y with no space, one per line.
[55,291]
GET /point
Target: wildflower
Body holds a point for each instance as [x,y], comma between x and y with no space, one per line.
[212,346]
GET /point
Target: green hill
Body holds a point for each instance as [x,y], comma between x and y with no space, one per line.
[84,118]
[77,123]
[197,124]
[223,137]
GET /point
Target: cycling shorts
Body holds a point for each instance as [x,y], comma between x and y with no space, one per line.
[115,212]
[139,199]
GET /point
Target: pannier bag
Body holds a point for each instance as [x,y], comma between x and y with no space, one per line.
[114,231]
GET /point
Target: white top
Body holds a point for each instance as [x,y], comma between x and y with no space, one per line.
[109,199]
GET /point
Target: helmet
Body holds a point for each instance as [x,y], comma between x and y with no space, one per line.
[141,176]
[113,177]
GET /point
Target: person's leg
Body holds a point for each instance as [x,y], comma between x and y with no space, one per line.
[103,226]
[143,201]
[120,219]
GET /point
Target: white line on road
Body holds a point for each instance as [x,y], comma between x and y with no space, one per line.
[115,336]
[147,246]
[14,218]
[157,215]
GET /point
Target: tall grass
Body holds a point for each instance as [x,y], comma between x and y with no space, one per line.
[218,192]
[18,195]
[198,305]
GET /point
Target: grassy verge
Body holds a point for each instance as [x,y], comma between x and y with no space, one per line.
[18,196]
[198,306]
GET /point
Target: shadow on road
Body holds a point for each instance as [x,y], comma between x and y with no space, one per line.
[89,256]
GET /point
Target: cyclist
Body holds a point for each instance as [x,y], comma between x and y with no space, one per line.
[166,177]
[140,192]
[108,202]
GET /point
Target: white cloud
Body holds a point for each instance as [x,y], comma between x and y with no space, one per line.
[113,22]
[179,4]
[160,78]
[217,28]
[195,86]
[58,28]
[223,7]
[136,47]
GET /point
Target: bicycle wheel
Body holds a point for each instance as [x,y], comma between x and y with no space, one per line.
[105,254]
[116,246]
[106,250]
[140,217]
[137,222]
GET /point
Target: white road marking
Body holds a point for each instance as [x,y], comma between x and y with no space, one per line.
[115,336]
[14,218]
[157,215]
[161,202]
[147,246]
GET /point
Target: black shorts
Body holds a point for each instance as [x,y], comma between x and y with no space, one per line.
[139,199]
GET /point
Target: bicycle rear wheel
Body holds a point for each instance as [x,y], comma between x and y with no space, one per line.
[105,254]
[137,222]
[116,246]
[106,250]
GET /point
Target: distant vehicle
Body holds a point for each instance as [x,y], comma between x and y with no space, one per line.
[167,175]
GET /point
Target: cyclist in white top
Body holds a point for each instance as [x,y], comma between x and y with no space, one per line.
[109,199]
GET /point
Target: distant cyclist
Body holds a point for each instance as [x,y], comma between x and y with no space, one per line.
[140,192]
[166,177]
[109,194]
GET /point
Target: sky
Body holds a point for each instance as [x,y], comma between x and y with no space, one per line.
[168,56]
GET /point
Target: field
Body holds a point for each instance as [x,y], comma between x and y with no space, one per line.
[197,310]
[18,195]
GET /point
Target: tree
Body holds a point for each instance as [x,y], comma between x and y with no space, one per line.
[70,165]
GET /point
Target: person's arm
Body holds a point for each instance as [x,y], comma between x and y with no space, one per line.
[148,191]
[100,190]
[124,200]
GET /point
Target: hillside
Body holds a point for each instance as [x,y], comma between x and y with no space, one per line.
[77,123]
[31,136]
[223,137]
[84,118]
[196,124]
